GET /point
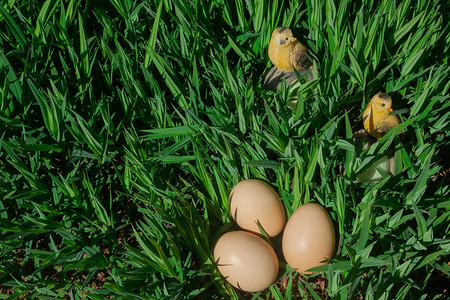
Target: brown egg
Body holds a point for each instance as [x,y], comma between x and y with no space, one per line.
[246,261]
[308,239]
[254,202]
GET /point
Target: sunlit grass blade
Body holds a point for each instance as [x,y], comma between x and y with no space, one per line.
[154,34]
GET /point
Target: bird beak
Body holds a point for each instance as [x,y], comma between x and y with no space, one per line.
[389,109]
[293,39]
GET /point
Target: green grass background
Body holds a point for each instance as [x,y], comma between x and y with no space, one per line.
[124,125]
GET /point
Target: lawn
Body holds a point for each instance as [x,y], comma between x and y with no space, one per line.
[125,124]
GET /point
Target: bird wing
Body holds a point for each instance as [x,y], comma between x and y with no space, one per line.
[387,124]
[299,57]
[383,127]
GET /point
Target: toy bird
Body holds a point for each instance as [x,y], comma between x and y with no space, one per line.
[376,117]
[286,53]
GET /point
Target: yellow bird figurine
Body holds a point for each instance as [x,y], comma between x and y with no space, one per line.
[376,117]
[286,53]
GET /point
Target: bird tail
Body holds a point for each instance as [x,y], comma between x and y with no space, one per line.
[369,118]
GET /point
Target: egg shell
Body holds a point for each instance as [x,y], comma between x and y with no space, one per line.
[246,261]
[372,174]
[308,238]
[254,202]
[361,136]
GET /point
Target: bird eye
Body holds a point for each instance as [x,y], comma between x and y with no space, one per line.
[286,39]
[383,104]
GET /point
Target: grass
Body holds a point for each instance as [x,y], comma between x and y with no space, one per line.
[125,124]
